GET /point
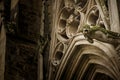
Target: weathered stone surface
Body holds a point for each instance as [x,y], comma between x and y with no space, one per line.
[21,60]
[29,19]
[22,46]
[2,52]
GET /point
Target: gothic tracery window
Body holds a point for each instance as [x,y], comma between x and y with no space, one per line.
[74,58]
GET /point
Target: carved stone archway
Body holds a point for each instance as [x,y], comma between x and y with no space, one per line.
[71,56]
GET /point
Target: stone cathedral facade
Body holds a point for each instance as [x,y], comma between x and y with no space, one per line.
[45,40]
[71,56]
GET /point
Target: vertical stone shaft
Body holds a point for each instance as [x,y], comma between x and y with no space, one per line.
[2,49]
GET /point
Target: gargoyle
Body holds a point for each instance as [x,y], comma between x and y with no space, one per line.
[100,34]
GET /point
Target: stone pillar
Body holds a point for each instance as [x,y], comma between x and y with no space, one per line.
[29,19]
[31,26]
[2,43]
[2,49]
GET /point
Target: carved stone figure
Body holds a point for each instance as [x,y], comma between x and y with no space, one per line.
[101,34]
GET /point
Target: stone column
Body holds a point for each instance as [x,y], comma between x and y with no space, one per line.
[31,26]
[2,43]
[2,50]
[29,19]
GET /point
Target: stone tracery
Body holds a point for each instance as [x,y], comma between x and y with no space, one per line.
[68,23]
